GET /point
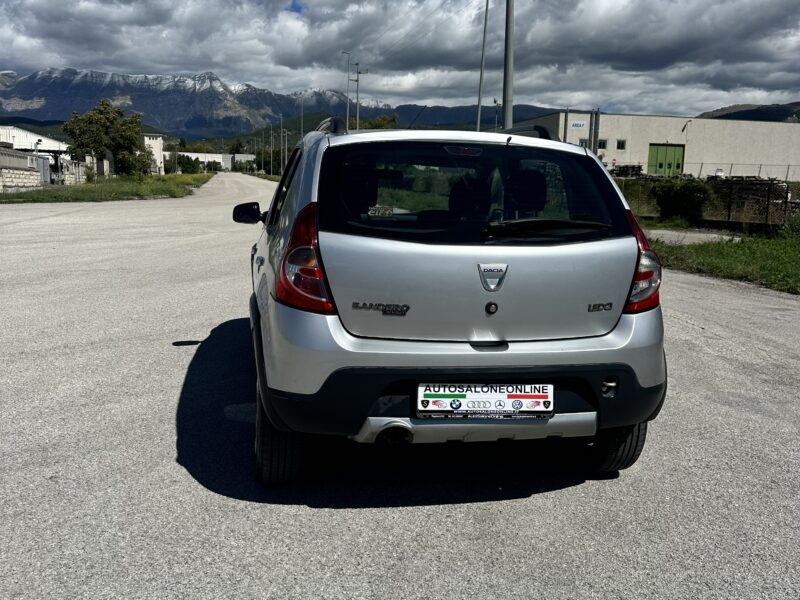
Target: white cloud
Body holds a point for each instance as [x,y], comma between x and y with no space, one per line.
[679,56]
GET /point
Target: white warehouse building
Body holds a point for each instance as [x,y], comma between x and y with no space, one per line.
[675,145]
[155,142]
[22,139]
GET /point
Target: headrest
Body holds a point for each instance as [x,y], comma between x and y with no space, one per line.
[528,191]
[470,198]
[360,188]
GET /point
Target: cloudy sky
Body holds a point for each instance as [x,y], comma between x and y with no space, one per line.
[651,56]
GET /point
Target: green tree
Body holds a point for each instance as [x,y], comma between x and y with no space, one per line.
[106,130]
[237,147]
[201,146]
[382,122]
[188,165]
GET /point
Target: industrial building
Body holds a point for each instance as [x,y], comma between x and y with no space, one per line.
[28,141]
[29,160]
[204,158]
[679,145]
[155,142]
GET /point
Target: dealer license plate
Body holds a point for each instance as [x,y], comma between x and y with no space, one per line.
[489,400]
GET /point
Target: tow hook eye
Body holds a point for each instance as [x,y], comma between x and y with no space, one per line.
[609,387]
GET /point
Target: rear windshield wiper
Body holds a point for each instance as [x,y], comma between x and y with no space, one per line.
[518,226]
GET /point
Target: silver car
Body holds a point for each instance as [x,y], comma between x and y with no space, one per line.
[435,286]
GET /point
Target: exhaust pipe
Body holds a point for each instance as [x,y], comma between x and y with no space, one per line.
[394,436]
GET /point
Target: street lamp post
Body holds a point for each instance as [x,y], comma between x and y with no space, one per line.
[359,73]
[300,100]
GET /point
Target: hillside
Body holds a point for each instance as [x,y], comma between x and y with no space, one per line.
[202,105]
[784,113]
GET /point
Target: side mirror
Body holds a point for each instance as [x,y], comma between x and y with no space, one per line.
[249,212]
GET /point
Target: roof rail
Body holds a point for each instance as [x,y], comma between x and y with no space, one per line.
[335,125]
[536,131]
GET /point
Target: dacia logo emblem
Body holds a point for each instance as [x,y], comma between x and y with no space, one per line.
[492,275]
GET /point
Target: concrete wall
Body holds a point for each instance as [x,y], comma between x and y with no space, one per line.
[19,180]
[752,147]
[14,159]
[73,172]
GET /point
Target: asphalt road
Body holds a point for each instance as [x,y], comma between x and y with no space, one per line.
[126,434]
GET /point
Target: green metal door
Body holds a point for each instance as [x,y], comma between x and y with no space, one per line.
[665,159]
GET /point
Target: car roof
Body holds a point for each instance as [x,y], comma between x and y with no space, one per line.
[439,135]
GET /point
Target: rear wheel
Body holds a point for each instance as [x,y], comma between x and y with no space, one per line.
[617,449]
[278,453]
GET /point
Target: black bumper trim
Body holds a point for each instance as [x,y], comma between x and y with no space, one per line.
[351,395]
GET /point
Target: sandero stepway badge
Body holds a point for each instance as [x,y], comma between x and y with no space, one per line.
[492,276]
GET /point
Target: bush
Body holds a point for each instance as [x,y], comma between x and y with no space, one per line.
[791,230]
[684,199]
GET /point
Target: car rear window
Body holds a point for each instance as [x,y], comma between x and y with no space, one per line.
[456,193]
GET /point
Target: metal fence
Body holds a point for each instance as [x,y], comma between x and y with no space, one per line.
[701,170]
[745,198]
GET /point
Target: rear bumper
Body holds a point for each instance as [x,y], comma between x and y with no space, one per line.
[361,402]
[321,379]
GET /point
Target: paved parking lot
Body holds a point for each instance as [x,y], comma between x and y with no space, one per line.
[126,390]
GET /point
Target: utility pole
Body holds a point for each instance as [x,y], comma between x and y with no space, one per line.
[271,148]
[347,93]
[262,150]
[508,73]
[280,141]
[359,73]
[483,63]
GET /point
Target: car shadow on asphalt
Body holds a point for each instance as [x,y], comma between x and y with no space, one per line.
[215,434]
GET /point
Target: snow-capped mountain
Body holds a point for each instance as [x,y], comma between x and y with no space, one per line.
[199,105]
[187,104]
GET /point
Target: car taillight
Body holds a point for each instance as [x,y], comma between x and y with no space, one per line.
[301,282]
[647,276]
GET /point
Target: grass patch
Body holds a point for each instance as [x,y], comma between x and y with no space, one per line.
[275,178]
[116,188]
[772,263]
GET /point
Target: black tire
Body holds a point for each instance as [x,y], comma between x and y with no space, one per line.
[617,449]
[278,453]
